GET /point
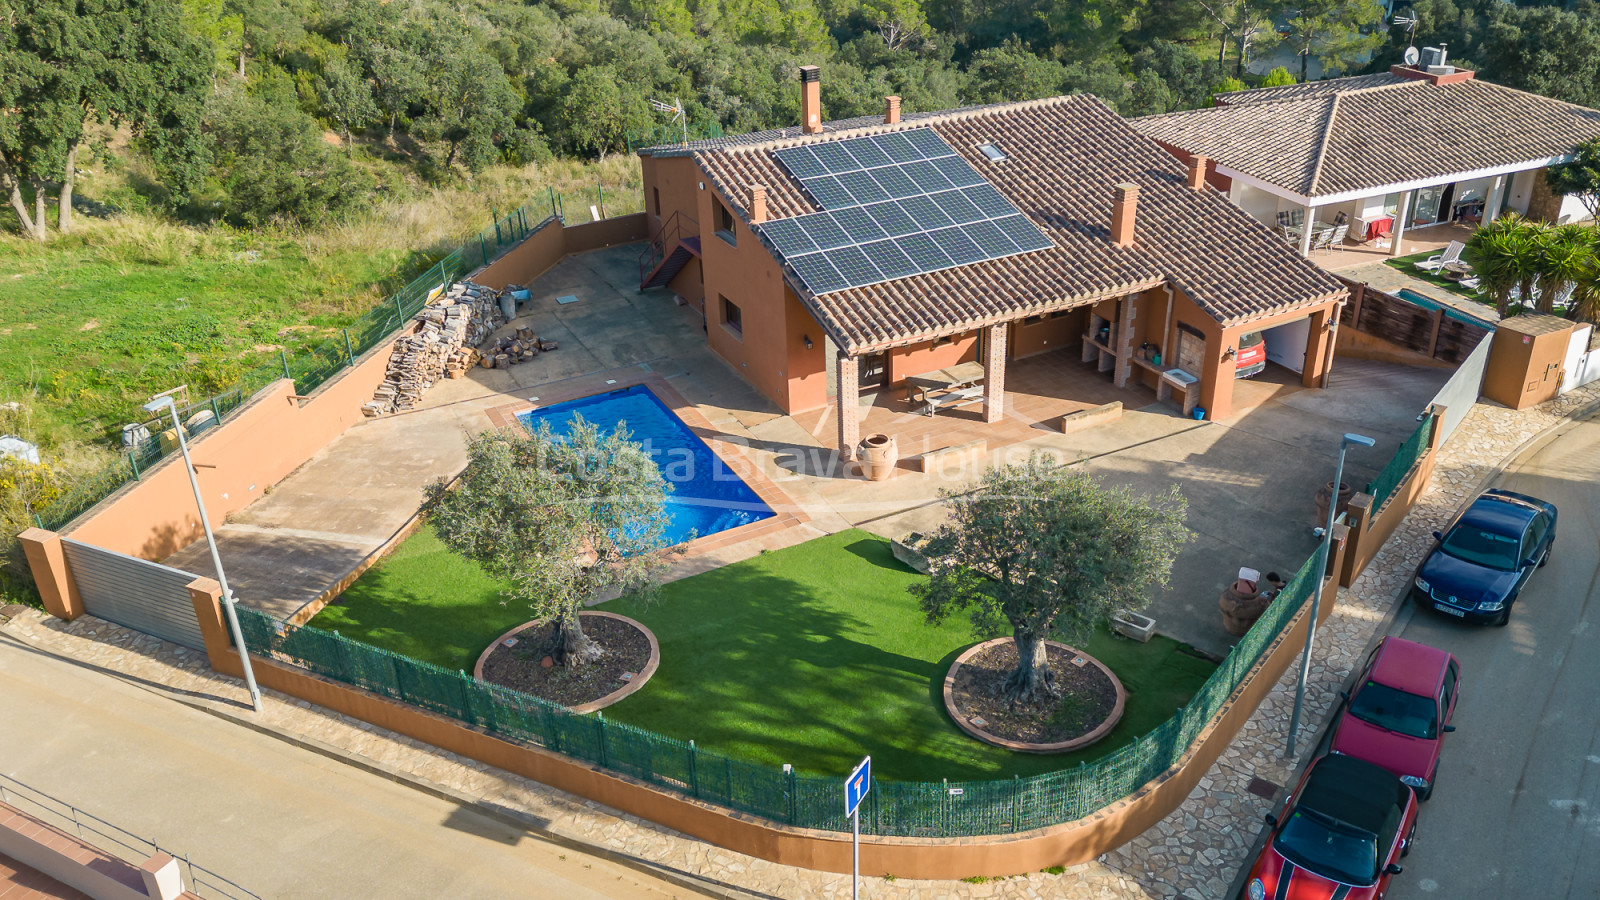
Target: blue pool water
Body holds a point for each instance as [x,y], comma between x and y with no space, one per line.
[706,496]
[1450,312]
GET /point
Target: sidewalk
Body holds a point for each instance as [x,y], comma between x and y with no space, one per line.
[1194,853]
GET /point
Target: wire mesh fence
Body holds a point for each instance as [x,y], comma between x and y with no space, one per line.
[1412,450]
[892,808]
[312,364]
[118,842]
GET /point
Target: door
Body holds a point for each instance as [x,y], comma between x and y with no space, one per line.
[1191,352]
[1425,206]
[874,370]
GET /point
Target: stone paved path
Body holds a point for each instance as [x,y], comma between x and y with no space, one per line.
[1195,853]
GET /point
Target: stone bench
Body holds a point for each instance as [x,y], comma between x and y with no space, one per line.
[1085,419]
[959,454]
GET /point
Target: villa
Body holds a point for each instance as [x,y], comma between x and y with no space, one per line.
[1382,154]
[931,250]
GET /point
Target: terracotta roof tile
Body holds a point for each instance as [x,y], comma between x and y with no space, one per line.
[1364,133]
[1064,156]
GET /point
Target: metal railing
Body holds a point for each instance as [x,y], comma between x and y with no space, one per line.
[118,842]
[911,809]
[311,365]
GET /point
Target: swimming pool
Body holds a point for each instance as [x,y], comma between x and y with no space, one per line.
[706,497]
[1450,312]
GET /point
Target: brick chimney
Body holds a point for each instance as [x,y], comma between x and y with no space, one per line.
[758,204]
[891,110]
[811,99]
[1197,172]
[1123,211]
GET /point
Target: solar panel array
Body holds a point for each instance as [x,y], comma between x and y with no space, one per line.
[893,205]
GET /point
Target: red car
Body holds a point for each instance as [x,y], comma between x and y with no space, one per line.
[1341,835]
[1252,356]
[1400,711]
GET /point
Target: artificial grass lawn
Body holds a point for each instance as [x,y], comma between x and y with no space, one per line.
[1407,265]
[813,655]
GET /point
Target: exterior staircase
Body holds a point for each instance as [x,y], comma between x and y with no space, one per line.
[669,251]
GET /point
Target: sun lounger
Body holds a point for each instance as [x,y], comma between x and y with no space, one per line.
[1452,253]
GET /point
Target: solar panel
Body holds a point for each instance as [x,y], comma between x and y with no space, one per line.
[789,237]
[960,210]
[858,225]
[863,187]
[960,248]
[930,145]
[891,261]
[893,205]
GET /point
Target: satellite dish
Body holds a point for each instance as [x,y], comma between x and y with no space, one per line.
[1412,56]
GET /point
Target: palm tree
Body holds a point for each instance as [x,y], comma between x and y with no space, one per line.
[1566,255]
[1504,254]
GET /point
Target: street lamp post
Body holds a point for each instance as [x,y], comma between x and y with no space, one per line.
[1316,593]
[156,406]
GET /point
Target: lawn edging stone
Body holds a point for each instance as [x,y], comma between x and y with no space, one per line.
[1077,743]
[634,684]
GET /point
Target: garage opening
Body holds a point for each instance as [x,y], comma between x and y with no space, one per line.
[1286,344]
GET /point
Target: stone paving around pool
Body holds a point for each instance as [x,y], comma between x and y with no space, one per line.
[1196,852]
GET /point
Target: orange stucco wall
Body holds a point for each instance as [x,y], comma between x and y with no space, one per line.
[1045,335]
[915,359]
[551,241]
[257,445]
[676,181]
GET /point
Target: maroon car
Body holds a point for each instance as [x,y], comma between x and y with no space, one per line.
[1400,710]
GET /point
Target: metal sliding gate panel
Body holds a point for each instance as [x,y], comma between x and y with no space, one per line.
[135,593]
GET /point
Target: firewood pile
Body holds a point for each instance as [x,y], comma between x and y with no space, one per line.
[513,349]
[444,346]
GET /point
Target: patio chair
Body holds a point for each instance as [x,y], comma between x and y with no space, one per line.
[1342,218]
[1289,218]
[1331,238]
[1452,253]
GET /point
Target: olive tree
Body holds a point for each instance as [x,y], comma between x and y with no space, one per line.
[562,518]
[1046,549]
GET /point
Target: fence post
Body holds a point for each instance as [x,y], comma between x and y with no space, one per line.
[552,201]
[349,351]
[788,772]
[600,726]
[214,410]
[694,770]
[498,240]
[601,187]
[133,461]
[284,355]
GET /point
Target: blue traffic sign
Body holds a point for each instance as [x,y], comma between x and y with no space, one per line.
[857,785]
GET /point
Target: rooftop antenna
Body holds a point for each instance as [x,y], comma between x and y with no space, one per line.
[676,108]
[1410,25]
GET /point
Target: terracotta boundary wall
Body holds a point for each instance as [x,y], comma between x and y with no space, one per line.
[551,241]
[1066,844]
[271,436]
[83,866]
[1369,528]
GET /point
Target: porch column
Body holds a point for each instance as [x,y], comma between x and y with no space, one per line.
[1122,341]
[1319,349]
[994,374]
[1400,224]
[848,396]
[1306,229]
[1497,196]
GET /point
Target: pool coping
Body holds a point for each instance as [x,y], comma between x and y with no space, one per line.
[786,513]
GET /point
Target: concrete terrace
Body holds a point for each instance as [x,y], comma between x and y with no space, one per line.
[1249,478]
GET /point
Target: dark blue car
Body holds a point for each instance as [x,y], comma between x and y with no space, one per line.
[1478,567]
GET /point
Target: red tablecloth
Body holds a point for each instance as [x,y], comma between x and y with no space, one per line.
[1377,228]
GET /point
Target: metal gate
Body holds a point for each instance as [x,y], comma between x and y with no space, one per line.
[135,593]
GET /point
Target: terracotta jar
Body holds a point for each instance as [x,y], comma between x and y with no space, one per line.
[878,454]
[1325,494]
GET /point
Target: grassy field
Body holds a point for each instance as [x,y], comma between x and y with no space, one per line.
[92,323]
[812,655]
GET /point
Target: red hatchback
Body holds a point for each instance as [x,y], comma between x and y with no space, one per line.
[1400,710]
[1341,835]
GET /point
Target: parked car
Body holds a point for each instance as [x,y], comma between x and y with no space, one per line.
[1399,711]
[1479,566]
[1341,835]
[1251,357]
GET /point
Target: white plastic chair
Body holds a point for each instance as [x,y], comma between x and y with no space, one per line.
[1452,253]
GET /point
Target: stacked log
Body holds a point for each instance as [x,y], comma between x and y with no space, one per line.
[443,346]
[515,348]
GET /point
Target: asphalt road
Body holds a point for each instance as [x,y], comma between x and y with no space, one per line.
[1517,808]
[278,820]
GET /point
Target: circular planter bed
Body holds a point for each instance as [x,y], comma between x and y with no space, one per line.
[1091,704]
[517,660]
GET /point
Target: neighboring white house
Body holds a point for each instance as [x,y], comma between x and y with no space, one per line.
[1400,150]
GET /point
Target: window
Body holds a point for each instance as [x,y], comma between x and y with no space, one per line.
[1535,538]
[732,318]
[1447,692]
[993,153]
[725,224]
[656,194]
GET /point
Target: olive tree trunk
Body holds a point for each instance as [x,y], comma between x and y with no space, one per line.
[68,179]
[1031,683]
[570,647]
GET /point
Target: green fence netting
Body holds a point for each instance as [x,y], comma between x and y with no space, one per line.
[313,364]
[1412,450]
[909,809]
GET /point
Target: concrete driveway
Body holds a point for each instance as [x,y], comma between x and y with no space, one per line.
[1517,810]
